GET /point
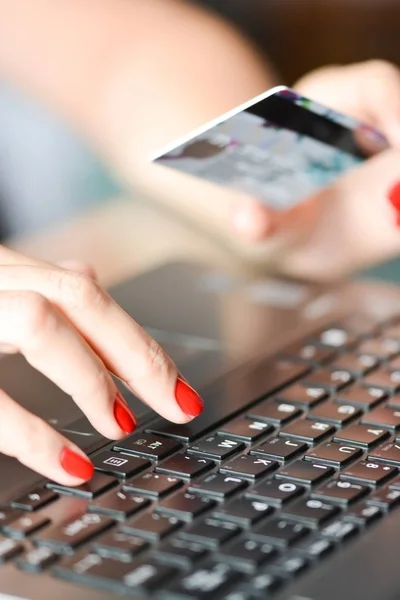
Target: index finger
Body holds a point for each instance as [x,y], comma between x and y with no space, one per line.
[125,348]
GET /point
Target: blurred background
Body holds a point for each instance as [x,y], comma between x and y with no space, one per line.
[47,173]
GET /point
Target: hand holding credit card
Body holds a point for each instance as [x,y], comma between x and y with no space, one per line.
[280,148]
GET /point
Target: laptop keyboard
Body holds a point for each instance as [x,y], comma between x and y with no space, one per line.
[236,508]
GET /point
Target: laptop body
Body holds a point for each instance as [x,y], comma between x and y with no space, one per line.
[287,486]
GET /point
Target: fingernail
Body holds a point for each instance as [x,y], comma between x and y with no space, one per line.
[394,196]
[76,465]
[124,416]
[189,401]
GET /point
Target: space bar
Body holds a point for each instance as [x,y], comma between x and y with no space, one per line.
[230,397]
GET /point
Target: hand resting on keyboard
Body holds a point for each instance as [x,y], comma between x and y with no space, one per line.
[68,328]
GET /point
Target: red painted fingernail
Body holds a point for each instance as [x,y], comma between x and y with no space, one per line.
[394,196]
[398,220]
[189,400]
[124,416]
[76,465]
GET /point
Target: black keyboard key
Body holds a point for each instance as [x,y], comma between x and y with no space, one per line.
[73,532]
[337,336]
[115,575]
[380,348]
[314,549]
[247,555]
[337,414]
[312,354]
[369,472]
[385,499]
[275,412]
[361,435]
[118,504]
[246,430]
[180,553]
[339,530]
[211,533]
[250,467]
[37,560]
[363,515]
[8,515]
[153,485]
[148,445]
[394,401]
[186,466]
[37,498]
[388,453]
[280,532]
[97,485]
[120,465]
[263,585]
[302,396]
[26,525]
[206,582]
[305,472]
[289,566]
[151,526]
[329,380]
[185,506]
[279,449]
[357,365]
[275,491]
[341,492]
[307,431]
[218,485]
[333,454]
[310,511]
[392,332]
[382,416]
[9,548]
[119,544]
[362,397]
[216,447]
[394,364]
[243,511]
[384,380]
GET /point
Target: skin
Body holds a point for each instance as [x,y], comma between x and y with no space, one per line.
[128,75]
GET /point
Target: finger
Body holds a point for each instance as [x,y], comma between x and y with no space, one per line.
[123,346]
[32,325]
[79,266]
[357,225]
[369,91]
[35,444]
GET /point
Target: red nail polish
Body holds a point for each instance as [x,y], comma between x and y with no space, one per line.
[188,400]
[398,220]
[76,465]
[394,196]
[124,416]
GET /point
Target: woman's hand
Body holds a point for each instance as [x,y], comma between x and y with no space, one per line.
[68,328]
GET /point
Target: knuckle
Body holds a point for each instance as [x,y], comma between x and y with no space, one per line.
[34,439]
[156,362]
[80,291]
[35,314]
[384,68]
